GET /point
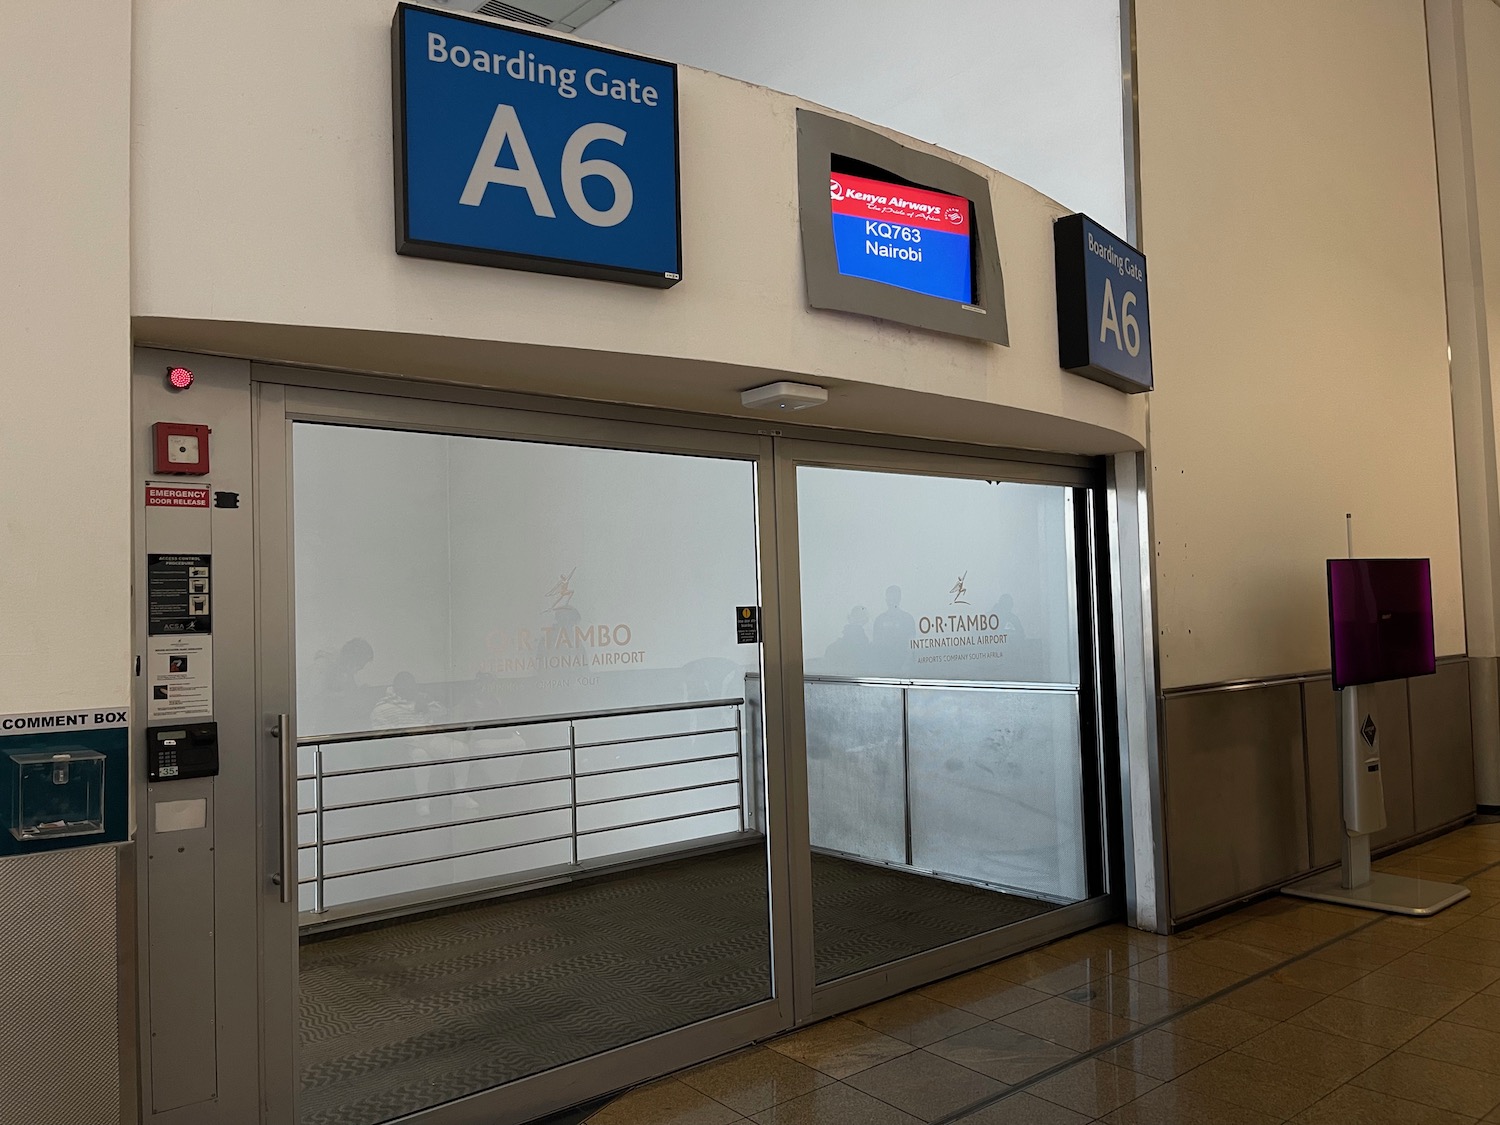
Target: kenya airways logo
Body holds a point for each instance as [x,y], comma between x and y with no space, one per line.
[835,189]
[954,216]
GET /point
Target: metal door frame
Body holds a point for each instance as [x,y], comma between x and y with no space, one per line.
[284,395]
[818,1001]
[250,404]
[282,399]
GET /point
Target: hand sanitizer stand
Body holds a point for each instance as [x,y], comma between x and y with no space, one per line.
[1354,884]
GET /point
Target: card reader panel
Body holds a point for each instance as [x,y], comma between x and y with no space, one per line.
[180,751]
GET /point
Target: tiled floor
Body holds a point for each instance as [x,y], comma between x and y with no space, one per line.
[1286,1011]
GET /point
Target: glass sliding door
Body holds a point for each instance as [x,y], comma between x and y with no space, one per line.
[531,815]
[532,754]
[944,710]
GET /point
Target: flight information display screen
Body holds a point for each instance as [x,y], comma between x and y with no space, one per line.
[908,237]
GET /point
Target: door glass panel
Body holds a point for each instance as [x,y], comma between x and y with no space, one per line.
[945,770]
[532,820]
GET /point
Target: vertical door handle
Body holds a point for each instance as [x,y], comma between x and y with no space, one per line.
[286,757]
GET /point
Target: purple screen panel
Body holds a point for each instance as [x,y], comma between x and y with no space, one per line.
[1380,619]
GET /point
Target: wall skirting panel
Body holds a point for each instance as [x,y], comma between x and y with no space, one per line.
[1442,747]
[1251,778]
[59,989]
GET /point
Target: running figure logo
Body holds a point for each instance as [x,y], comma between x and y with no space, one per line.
[959,590]
[562,591]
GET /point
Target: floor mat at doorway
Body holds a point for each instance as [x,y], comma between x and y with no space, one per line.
[411,1014]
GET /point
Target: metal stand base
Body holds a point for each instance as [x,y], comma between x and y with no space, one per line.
[1394,894]
[1363,797]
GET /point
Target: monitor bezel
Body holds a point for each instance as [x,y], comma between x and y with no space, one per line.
[821,140]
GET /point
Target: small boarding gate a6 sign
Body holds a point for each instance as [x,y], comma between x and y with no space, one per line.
[1103,309]
[516,149]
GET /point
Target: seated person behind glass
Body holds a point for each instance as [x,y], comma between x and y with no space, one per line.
[333,689]
[405,705]
[484,705]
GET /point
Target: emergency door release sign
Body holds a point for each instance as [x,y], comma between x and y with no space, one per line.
[178,599]
[176,495]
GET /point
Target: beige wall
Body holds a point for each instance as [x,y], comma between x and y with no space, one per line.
[64,517]
[65,343]
[1291,222]
[237,177]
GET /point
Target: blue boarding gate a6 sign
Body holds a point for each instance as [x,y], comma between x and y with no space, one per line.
[1103,305]
[519,150]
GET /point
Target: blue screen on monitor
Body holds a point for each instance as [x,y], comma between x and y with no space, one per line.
[909,237]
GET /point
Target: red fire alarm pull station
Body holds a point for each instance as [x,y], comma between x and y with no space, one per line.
[181,448]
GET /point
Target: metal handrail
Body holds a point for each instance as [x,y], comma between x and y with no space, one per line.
[529,751]
[503,724]
[660,765]
[908,682]
[319,776]
[461,791]
[362,837]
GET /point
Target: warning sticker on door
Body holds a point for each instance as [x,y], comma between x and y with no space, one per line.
[180,678]
[179,595]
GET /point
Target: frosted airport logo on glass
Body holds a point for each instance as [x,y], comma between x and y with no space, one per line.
[562,591]
[959,590]
[948,637]
[563,639]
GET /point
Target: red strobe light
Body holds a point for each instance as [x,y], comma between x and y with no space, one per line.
[180,378]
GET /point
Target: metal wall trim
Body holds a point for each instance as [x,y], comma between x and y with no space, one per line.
[1274,681]
[793,713]
[777,795]
[275,695]
[1138,718]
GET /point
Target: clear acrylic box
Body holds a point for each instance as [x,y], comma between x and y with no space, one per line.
[58,793]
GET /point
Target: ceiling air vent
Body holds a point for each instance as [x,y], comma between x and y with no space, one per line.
[511,12]
[561,15]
